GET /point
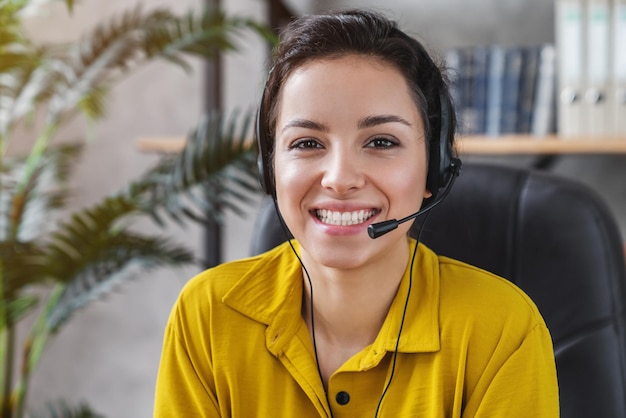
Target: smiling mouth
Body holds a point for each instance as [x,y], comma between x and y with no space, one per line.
[356,217]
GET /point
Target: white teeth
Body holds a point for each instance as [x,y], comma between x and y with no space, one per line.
[343,218]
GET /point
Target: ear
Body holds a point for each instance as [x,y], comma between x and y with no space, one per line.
[427,194]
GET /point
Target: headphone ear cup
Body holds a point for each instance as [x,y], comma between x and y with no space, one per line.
[261,169]
[263,161]
[439,164]
[446,139]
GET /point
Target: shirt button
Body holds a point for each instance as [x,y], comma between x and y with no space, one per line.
[342,398]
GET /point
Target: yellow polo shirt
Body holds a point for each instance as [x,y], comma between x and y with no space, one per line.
[473,345]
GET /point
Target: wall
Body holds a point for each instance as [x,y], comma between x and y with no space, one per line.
[446,23]
[109,354]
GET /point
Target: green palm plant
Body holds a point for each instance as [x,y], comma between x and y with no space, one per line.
[50,272]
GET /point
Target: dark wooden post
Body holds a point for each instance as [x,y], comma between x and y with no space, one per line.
[213,102]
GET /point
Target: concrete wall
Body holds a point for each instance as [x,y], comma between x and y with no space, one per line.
[108,355]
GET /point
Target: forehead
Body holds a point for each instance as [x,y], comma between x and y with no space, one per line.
[355,62]
[351,79]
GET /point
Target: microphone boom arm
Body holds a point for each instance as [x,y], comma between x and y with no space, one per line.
[381,228]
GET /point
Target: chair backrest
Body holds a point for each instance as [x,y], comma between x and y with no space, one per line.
[557,240]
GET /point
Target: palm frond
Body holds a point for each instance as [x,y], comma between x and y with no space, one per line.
[18,308]
[10,11]
[20,59]
[29,7]
[93,102]
[56,267]
[92,253]
[77,240]
[29,75]
[22,264]
[135,37]
[62,410]
[213,32]
[63,159]
[114,262]
[70,5]
[25,211]
[12,60]
[216,170]
[33,82]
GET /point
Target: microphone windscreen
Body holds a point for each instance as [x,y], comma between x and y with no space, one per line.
[381,228]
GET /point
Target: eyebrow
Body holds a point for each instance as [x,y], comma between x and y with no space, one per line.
[371,121]
[366,122]
[306,124]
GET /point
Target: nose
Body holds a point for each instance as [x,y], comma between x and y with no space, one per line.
[343,172]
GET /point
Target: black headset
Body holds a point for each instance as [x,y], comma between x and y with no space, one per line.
[441,165]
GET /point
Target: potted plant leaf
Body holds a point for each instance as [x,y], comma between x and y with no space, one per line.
[51,269]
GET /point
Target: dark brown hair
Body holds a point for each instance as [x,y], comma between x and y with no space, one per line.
[358,32]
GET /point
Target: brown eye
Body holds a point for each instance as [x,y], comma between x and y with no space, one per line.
[307,143]
[382,142]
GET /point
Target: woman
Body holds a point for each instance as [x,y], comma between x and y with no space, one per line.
[354,127]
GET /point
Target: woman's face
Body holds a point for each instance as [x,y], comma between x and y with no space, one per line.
[349,151]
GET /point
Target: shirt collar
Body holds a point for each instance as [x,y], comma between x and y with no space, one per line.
[271,293]
[420,330]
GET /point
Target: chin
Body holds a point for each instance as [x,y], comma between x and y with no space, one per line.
[342,257]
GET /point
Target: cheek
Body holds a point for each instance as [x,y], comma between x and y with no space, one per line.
[412,186]
[290,183]
[409,186]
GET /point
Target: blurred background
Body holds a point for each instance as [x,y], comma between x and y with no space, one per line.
[108,355]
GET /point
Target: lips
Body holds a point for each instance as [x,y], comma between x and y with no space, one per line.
[356,217]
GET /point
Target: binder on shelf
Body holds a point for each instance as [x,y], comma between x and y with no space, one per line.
[452,59]
[530,63]
[453,64]
[478,94]
[544,108]
[511,89]
[458,63]
[495,76]
[501,89]
[570,46]
[617,97]
[597,29]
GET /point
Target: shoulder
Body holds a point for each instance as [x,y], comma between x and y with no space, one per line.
[485,299]
[479,284]
[210,286]
[237,295]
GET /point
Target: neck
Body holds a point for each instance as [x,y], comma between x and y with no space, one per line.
[349,306]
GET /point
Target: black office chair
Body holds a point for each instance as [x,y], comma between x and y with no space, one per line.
[554,238]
